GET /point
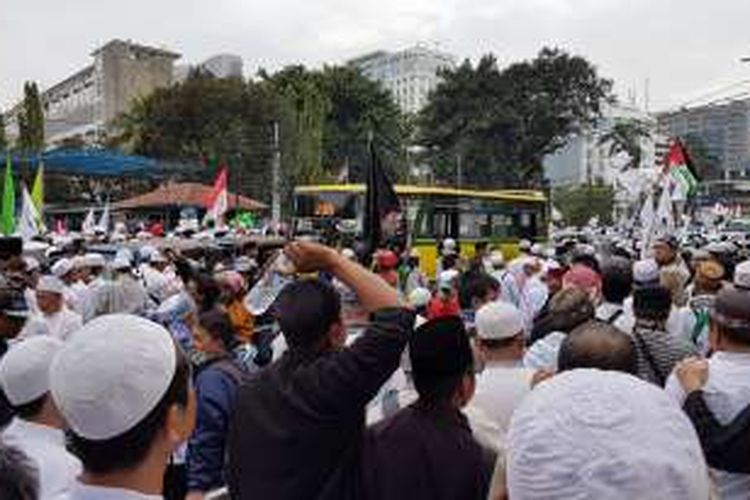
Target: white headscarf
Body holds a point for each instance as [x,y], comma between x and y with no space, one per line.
[600,434]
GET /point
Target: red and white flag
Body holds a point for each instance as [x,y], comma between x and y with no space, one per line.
[217,202]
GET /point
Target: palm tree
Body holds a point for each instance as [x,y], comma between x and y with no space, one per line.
[625,137]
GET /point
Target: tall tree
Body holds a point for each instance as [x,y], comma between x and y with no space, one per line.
[31,121]
[3,140]
[625,136]
[498,125]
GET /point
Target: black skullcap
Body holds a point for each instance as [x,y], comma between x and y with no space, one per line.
[440,351]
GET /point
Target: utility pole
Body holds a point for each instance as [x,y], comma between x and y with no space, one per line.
[275,171]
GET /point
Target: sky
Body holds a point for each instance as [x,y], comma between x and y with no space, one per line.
[686,49]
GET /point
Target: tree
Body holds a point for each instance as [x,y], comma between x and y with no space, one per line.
[625,137]
[3,140]
[579,204]
[501,124]
[707,164]
[31,121]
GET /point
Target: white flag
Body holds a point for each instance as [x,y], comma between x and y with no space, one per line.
[103,225]
[27,226]
[664,213]
[89,224]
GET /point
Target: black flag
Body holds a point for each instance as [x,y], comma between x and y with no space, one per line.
[380,201]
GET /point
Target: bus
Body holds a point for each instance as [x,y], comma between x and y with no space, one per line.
[499,217]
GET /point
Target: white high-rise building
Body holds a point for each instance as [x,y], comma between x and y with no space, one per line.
[410,75]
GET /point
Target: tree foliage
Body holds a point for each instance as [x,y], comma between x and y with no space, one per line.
[625,136]
[580,203]
[323,119]
[31,120]
[502,123]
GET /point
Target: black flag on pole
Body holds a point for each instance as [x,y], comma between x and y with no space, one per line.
[381,203]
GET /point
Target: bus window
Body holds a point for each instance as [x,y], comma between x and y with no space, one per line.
[474,225]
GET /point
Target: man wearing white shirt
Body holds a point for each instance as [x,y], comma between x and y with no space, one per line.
[727,392]
[54,318]
[65,270]
[37,429]
[504,382]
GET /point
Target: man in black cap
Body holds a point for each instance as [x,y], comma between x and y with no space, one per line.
[726,392]
[427,450]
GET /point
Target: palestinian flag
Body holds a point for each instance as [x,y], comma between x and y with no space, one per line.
[678,168]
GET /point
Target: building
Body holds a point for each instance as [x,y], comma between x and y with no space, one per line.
[410,75]
[82,106]
[584,158]
[219,66]
[724,129]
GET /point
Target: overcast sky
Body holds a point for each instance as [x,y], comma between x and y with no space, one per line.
[686,48]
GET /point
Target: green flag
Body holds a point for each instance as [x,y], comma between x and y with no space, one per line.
[8,220]
[37,192]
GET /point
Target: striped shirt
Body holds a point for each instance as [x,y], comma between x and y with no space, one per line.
[658,351]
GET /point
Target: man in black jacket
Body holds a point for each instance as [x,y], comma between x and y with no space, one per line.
[427,450]
[298,425]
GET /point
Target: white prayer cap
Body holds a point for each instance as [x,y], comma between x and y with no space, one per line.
[646,271]
[537,249]
[93,259]
[157,258]
[111,374]
[32,264]
[124,253]
[51,284]
[603,434]
[419,297]
[550,253]
[449,243]
[62,267]
[414,253]
[348,254]
[79,262]
[498,320]
[147,251]
[496,258]
[446,280]
[524,245]
[120,263]
[24,370]
[742,275]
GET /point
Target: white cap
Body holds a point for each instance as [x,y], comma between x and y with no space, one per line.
[419,297]
[415,254]
[24,370]
[111,374]
[62,267]
[146,251]
[124,253]
[348,254]
[550,253]
[32,264]
[157,258]
[447,278]
[646,271]
[51,284]
[120,263]
[94,260]
[496,258]
[498,320]
[524,245]
[537,249]
[78,262]
[742,275]
[581,434]
[449,243]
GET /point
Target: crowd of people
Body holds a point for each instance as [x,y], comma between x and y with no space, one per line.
[581,369]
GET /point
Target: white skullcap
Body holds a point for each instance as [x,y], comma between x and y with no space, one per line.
[62,267]
[537,249]
[498,320]
[449,243]
[32,264]
[24,370]
[157,258]
[414,253]
[496,258]
[646,271]
[550,253]
[603,434]
[742,275]
[120,263]
[111,374]
[419,297]
[147,251]
[78,262]
[447,278]
[524,245]
[124,253]
[94,260]
[51,284]
[348,254]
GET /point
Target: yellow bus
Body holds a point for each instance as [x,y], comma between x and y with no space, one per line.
[499,217]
